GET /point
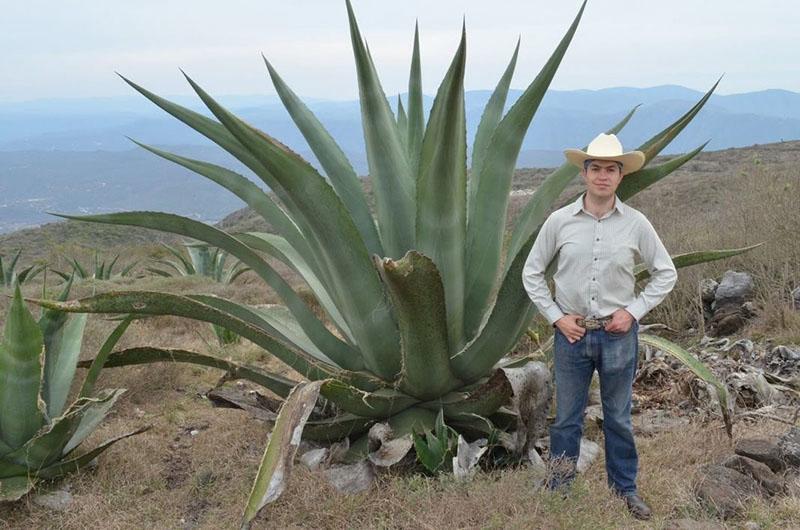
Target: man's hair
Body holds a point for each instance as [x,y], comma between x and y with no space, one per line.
[590,160]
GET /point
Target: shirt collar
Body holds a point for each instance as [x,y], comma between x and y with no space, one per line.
[577,206]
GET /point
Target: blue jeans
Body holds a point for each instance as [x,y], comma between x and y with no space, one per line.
[614,356]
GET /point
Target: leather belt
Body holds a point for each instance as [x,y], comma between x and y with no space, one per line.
[593,323]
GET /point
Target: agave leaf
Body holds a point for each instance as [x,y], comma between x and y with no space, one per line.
[63,336]
[411,420]
[699,369]
[276,464]
[21,413]
[492,114]
[62,468]
[281,326]
[389,168]
[146,355]
[416,114]
[535,211]
[654,145]
[109,269]
[356,285]
[402,120]
[378,404]
[246,190]
[195,229]
[48,445]
[485,230]
[482,400]
[441,192]
[415,287]
[639,180]
[14,488]
[509,318]
[127,269]
[336,428]
[29,273]
[156,303]
[99,361]
[693,258]
[188,268]
[79,269]
[90,416]
[333,160]
[280,248]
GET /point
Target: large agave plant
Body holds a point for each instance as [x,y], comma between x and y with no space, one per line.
[39,431]
[423,298]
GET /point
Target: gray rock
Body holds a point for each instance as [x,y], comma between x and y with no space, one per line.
[751,525]
[789,446]
[762,474]
[725,490]
[57,501]
[796,298]
[691,524]
[708,290]
[735,288]
[786,353]
[764,450]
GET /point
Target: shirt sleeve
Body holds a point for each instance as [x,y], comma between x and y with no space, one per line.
[533,279]
[662,271]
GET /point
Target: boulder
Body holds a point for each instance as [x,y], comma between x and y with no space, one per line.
[735,288]
[796,298]
[789,447]
[725,490]
[764,450]
[772,483]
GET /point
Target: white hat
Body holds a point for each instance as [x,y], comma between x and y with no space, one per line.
[607,147]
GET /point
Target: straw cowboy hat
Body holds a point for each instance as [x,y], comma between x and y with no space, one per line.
[607,147]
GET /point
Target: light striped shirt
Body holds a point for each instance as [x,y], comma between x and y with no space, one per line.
[596,257]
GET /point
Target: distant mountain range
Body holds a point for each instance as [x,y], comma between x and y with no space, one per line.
[73,155]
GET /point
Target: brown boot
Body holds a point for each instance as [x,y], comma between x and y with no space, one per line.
[637,507]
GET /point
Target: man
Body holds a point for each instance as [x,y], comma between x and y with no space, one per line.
[596,312]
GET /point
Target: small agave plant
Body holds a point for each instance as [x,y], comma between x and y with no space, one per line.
[39,431]
[203,260]
[9,275]
[103,270]
[423,297]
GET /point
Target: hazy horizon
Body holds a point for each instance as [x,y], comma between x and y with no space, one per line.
[71,50]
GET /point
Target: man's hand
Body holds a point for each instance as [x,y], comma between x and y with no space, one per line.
[570,328]
[621,321]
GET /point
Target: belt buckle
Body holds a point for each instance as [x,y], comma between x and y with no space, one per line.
[592,323]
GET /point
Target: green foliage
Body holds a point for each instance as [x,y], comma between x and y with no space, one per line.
[203,260]
[39,433]
[103,270]
[8,271]
[436,449]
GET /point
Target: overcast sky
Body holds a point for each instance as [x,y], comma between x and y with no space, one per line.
[71,48]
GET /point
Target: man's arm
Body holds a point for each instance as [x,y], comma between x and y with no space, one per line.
[542,252]
[662,271]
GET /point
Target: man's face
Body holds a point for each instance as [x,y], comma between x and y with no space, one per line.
[602,178]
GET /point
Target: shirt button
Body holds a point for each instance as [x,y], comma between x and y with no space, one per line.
[598,239]
[595,259]
[593,298]
[594,279]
